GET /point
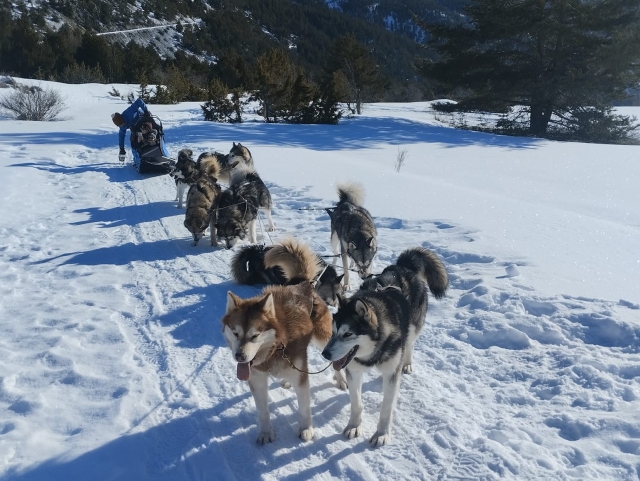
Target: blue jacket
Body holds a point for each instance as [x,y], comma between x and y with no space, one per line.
[130,116]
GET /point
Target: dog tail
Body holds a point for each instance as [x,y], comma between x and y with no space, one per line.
[247,267]
[209,165]
[353,193]
[296,259]
[428,266]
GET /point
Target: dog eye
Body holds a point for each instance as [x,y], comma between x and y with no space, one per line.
[236,334]
[347,334]
[254,338]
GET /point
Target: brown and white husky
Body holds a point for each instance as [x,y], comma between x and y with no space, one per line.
[269,335]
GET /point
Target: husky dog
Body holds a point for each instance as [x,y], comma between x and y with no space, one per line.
[353,232]
[226,166]
[269,335]
[239,205]
[247,267]
[413,268]
[378,327]
[202,200]
[241,154]
[184,173]
[290,262]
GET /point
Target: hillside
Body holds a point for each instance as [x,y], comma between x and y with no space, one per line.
[209,31]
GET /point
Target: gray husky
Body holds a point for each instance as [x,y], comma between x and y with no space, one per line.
[184,173]
[202,199]
[378,327]
[239,205]
[353,233]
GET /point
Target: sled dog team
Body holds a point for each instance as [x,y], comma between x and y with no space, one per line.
[269,334]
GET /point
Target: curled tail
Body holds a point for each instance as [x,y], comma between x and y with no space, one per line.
[428,266]
[296,260]
[247,267]
[353,193]
[208,165]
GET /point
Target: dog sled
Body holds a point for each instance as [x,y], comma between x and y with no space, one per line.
[150,155]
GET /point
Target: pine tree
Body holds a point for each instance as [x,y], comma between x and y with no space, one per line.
[219,108]
[276,75]
[548,60]
[354,66]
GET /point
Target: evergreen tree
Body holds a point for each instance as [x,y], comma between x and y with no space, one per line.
[276,75]
[546,59]
[221,108]
[356,71]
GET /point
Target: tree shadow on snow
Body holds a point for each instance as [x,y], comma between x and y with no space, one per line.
[357,133]
[354,133]
[90,139]
[114,171]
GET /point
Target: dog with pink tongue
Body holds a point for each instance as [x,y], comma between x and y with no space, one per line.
[269,335]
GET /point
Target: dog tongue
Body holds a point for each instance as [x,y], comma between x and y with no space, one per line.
[244,371]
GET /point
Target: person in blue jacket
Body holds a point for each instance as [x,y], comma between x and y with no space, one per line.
[126,120]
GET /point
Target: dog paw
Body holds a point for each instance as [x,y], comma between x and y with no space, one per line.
[266,437]
[408,369]
[351,432]
[214,244]
[271,228]
[306,434]
[380,439]
[341,382]
[285,384]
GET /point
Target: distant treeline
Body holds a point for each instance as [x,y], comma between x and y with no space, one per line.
[307,32]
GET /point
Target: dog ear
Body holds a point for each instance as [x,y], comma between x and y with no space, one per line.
[338,279]
[330,211]
[267,306]
[234,144]
[364,312]
[233,302]
[372,243]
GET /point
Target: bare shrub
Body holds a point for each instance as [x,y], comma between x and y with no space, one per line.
[81,74]
[400,158]
[33,103]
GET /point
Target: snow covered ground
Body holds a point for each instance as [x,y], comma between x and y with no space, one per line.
[113,365]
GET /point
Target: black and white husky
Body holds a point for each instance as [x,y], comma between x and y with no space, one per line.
[239,206]
[353,233]
[378,326]
[185,173]
[239,153]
